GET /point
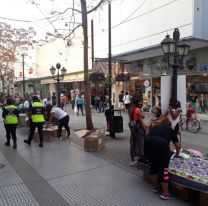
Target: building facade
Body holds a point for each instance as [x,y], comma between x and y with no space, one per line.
[137,31]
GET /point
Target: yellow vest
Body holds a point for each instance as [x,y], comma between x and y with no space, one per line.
[37,115]
[11,118]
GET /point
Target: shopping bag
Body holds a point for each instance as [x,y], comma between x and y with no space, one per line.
[75,109]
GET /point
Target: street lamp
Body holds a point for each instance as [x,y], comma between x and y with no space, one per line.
[172,47]
[58,78]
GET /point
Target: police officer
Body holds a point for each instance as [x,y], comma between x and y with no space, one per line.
[10,115]
[36,116]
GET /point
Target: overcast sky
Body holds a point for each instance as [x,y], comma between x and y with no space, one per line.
[34,15]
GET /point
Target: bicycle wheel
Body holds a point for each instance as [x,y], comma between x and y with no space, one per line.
[193,125]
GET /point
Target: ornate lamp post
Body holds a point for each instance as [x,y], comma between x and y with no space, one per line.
[178,50]
[58,77]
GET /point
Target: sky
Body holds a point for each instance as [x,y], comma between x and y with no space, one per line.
[24,14]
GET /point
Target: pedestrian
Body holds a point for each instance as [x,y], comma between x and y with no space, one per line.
[21,106]
[26,104]
[79,103]
[61,116]
[174,113]
[127,101]
[53,98]
[10,115]
[120,101]
[97,99]
[36,116]
[101,102]
[157,151]
[138,132]
[93,95]
[73,97]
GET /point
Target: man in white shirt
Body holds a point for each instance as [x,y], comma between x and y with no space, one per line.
[26,105]
[61,116]
[127,101]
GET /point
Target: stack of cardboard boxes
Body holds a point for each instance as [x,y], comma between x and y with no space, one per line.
[49,134]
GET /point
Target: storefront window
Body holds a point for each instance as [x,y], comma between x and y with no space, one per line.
[197,93]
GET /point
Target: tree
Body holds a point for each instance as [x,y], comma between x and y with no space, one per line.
[89,122]
[12,42]
[55,21]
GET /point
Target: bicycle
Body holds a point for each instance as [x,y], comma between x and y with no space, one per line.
[192,123]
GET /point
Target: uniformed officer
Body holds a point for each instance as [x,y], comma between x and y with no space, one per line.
[36,116]
[10,115]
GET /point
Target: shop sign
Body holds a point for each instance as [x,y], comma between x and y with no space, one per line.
[204,67]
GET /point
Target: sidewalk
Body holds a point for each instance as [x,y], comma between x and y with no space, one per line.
[62,173]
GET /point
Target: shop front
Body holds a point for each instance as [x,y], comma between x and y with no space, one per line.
[147,66]
[197,92]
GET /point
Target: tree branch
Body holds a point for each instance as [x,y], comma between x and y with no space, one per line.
[71,9]
[93,9]
[73,31]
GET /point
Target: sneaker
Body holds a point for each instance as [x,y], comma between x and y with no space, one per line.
[27,142]
[7,144]
[133,163]
[166,196]
[40,145]
[156,189]
[15,146]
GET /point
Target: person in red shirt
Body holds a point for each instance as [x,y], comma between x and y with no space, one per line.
[138,131]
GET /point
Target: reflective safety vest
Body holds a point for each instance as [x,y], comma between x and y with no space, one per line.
[37,112]
[11,117]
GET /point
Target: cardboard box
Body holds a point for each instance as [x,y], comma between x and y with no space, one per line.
[94,142]
[82,133]
[49,134]
[182,192]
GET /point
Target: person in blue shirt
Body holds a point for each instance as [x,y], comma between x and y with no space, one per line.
[79,103]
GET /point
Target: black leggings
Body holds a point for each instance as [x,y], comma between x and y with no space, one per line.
[80,106]
[157,152]
[64,122]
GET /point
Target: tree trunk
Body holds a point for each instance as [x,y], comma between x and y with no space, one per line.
[86,74]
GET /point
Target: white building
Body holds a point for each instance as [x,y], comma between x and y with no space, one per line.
[138,27]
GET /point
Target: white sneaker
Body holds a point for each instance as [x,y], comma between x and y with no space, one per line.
[133,163]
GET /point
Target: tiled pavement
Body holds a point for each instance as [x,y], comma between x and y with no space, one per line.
[62,173]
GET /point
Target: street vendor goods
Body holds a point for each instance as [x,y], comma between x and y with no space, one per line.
[191,165]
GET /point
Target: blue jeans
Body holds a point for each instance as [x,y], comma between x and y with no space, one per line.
[101,106]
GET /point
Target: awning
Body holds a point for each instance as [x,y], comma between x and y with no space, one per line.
[154,51]
[78,77]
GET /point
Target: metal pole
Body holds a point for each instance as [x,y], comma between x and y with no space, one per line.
[112,133]
[92,43]
[174,83]
[176,36]
[23,74]
[58,90]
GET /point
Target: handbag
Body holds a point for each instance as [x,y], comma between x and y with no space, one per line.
[75,109]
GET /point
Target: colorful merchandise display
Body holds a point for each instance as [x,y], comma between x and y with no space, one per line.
[192,167]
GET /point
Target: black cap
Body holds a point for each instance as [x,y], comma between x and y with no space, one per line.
[9,101]
[136,101]
[35,98]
